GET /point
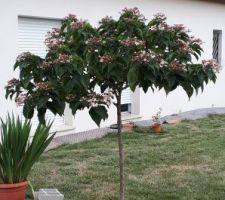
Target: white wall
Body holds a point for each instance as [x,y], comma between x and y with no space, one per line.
[200,17]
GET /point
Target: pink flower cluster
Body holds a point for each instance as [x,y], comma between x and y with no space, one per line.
[178,27]
[94,99]
[63,59]
[94,40]
[75,25]
[163,63]
[106,20]
[177,65]
[211,64]
[184,46]
[45,65]
[70,97]
[53,40]
[74,22]
[143,56]
[132,41]
[71,17]
[23,56]
[134,14]
[21,99]
[107,98]
[195,40]
[105,59]
[13,82]
[42,86]
[161,25]
[160,17]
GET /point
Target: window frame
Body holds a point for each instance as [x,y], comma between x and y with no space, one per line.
[217,56]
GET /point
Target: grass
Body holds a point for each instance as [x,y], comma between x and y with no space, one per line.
[184,162]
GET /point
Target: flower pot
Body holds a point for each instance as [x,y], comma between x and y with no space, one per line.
[13,191]
[156,128]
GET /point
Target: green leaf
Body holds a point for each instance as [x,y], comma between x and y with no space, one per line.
[76,106]
[188,88]
[28,111]
[70,84]
[98,114]
[26,80]
[59,106]
[103,87]
[41,115]
[42,101]
[132,78]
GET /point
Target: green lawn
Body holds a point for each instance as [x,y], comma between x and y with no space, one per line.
[186,161]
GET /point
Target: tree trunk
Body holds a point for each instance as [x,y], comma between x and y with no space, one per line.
[121,150]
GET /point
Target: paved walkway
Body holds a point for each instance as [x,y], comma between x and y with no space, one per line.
[98,133]
[79,137]
[189,115]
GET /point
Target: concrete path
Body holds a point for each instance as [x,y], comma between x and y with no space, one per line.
[79,137]
[98,133]
[189,115]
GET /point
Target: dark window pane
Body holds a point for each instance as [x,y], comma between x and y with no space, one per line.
[124,108]
[217,45]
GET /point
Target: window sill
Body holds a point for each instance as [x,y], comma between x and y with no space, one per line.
[129,116]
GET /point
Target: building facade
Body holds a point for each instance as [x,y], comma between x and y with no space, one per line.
[25,23]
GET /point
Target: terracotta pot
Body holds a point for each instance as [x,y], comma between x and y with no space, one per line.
[156,128]
[15,191]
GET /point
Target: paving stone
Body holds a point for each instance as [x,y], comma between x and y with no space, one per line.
[82,136]
[49,194]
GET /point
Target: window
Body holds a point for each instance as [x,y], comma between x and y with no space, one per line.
[31,36]
[126,108]
[126,101]
[217,45]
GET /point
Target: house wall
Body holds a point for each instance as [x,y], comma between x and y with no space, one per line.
[200,17]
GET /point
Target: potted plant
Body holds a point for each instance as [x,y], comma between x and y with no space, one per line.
[156,126]
[18,153]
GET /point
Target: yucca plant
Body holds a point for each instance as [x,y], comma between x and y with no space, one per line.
[18,151]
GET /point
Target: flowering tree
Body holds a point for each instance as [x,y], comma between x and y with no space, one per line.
[118,54]
[130,53]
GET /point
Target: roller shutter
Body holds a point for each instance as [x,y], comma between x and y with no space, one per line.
[31,36]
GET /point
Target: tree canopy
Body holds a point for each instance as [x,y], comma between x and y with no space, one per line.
[128,52]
